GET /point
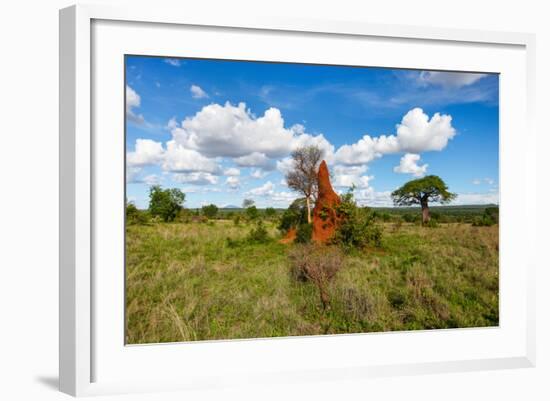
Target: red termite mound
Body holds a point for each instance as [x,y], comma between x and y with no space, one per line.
[289,237]
[325,219]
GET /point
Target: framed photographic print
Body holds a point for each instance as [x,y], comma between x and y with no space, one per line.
[292,200]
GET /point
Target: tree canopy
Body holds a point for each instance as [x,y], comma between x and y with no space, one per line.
[165,203]
[247,203]
[210,211]
[421,191]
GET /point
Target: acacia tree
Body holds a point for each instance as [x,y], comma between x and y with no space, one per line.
[303,176]
[421,191]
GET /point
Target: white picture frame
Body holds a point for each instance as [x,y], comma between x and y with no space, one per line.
[83,350]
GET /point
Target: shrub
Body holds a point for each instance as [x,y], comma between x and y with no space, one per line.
[385,217]
[135,216]
[252,213]
[295,215]
[357,228]
[489,218]
[270,212]
[232,243]
[303,233]
[410,218]
[210,211]
[483,221]
[431,223]
[258,234]
[237,219]
[184,216]
[318,265]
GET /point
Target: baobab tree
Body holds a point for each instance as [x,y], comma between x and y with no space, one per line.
[303,176]
[421,191]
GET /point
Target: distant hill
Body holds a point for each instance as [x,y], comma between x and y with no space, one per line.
[230,207]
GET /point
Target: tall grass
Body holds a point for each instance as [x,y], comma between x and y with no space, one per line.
[187,281]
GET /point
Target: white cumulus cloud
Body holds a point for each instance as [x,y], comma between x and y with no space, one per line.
[233,182]
[197,92]
[147,152]
[258,173]
[180,159]
[416,133]
[133,101]
[449,79]
[265,190]
[409,165]
[232,171]
[195,178]
[234,131]
[255,159]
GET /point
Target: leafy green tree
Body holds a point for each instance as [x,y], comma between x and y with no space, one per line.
[357,226]
[270,212]
[247,203]
[252,213]
[210,211]
[293,216]
[422,191]
[165,203]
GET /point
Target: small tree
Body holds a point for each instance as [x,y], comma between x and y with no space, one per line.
[357,227]
[421,191]
[210,211]
[247,203]
[252,212]
[293,216]
[134,215]
[270,212]
[303,176]
[165,203]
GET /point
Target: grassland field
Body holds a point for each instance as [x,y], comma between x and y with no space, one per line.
[188,281]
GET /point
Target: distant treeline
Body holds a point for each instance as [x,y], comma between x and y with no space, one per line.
[479,215]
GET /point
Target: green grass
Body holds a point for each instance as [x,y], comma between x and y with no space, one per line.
[188,282]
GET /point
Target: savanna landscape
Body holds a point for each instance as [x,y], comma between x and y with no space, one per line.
[245,226]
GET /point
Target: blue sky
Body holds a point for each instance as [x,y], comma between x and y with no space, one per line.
[222,131]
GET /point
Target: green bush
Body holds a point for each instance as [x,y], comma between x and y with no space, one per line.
[432,223]
[483,221]
[237,219]
[270,212]
[490,217]
[410,218]
[258,234]
[210,211]
[385,217]
[357,228]
[303,233]
[295,215]
[135,216]
[252,213]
